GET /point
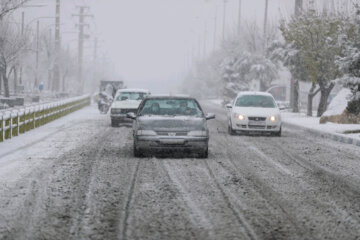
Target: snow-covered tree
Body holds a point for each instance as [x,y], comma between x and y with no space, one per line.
[349,62]
[315,37]
[8,6]
[12,45]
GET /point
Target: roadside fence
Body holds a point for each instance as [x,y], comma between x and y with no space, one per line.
[16,121]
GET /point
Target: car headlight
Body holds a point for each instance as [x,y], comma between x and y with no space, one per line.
[239,116]
[197,133]
[146,133]
[273,118]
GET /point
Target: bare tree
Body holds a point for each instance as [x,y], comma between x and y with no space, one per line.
[12,44]
[8,6]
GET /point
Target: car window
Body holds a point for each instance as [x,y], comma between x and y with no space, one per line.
[123,96]
[255,101]
[169,106]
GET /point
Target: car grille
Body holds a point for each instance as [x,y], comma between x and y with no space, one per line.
[128,110]
[257,118]
[172,134]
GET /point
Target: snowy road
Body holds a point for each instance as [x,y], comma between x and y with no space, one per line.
[79,180]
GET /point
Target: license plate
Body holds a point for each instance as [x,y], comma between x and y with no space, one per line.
[172,141]
[257,123]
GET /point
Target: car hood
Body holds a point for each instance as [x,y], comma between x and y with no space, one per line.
[256,112]
[132,104]
[171,123]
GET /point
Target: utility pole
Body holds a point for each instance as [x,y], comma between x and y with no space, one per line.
[239,18]
[265,23]
[298,7]
[205,38]
[224,20]
[37,52]
[215,30]
[95,49]
[56,76]
[95,60]
[82,36]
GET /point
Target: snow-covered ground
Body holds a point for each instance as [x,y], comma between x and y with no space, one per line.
[76,178]
[300,119]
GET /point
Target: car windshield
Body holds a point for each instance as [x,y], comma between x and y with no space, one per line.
[123,96]
[171,107]
[259,101]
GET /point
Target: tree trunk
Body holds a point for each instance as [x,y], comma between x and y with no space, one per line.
[0,81]
[325,92]
[15,79]
[6,85]
[262,86]
[296,96]
[312,93]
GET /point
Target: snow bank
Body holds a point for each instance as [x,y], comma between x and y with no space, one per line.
[339,103]
[300,119]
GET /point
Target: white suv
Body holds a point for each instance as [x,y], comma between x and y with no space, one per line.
[125,101]
[254,112]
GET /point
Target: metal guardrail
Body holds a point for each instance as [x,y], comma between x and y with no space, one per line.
[20,120]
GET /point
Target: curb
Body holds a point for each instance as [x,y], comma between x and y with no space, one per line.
[337,137]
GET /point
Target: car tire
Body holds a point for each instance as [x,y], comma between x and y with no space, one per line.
[204,154]
[114,123]
[278,134]
[231,130]
[137,153]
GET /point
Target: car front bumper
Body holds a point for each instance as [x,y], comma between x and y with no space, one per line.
[120,117]
[160,144]
[247,126]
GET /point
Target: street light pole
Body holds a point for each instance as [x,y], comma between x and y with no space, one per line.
[265,23]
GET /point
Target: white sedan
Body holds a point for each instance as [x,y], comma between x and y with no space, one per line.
[254,112]
[125,101]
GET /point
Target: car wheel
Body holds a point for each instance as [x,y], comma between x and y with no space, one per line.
[278,134]
[137,153]
[114,123]
[204,154]
[230,130]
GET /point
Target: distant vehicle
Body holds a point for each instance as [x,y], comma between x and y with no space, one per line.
[170,123]
[125,101]
[111,87]
[104,102]
[254,112]
[107,93]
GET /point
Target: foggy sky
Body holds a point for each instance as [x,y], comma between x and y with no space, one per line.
[149,42]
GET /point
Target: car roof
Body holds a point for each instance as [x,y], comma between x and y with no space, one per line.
[133,90]
[254,93]
[166,96]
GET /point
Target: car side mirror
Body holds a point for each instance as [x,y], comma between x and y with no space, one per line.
[210,116]
[282,108]
[228,105]
[131,115]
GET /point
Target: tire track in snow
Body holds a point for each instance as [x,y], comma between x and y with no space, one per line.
[229,198]
[198,215]
[78,222]
[265,191]
[124,226]
[328,176]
